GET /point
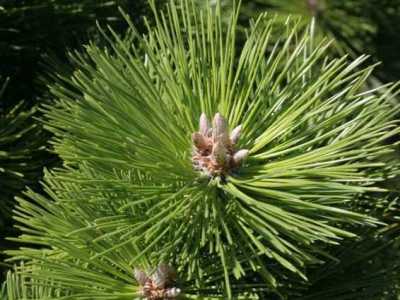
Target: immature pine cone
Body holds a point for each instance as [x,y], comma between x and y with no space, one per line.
[158,286]
[214,151]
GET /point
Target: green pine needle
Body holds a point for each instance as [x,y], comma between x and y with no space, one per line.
[129,196]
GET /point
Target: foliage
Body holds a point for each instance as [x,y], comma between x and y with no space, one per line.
[356,27]
[22,154]
[30,29]
[22,157]
[128,195]
[19,287]
[368,269]
[386,14]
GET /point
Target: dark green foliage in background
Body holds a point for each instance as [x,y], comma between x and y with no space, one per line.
[367,269]
[29,29]
[356,26]
[22,154]
[22,158]
[386,43]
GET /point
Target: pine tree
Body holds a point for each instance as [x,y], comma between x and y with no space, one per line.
[193,170]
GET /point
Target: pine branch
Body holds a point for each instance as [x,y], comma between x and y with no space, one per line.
[128,195]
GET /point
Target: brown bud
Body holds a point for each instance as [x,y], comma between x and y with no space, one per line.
[235,134]
[204,125]
[240,156]
[140,276]
[172,293]
[199,141]
[219,153]
[163,276]
[220,129]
